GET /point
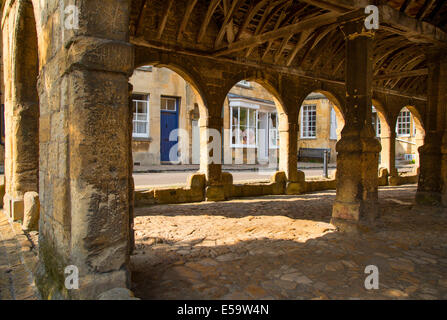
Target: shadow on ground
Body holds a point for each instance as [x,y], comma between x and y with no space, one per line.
[284,248]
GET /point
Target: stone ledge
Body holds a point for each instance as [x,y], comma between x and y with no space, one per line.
[277,186]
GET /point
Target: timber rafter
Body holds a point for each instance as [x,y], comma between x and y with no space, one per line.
[293,35]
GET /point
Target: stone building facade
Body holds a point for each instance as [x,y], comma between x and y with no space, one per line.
[250,122]
[249,114]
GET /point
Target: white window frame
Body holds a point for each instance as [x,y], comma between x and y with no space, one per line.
[172,99]
[377,125]
[407,123]
[244,84]
[305,109]
[276,130]
[141,135]
[334,125]
[241,104]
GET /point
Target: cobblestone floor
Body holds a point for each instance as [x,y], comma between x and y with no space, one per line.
[283,247]
[17,259]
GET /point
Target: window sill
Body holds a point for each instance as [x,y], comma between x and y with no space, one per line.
[244,86]
[243,147]
[309,138]
[142,139]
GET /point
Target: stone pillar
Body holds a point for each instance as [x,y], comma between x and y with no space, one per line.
[288,153]
[211,156]
[84,148]
[358,149]
[21,109]
[388,155]
[419,139]
[429,183]
[433,154]
[131,182]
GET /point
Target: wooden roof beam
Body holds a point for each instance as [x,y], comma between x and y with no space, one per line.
[424,9]
[235,5]
[404,6]
[209,14]
[402,74]
[298,27]
[411,28]
[185,20]
[164,19]
[340,6]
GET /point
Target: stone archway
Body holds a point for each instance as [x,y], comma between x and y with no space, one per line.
[77,138]
[324,129]
[21,112]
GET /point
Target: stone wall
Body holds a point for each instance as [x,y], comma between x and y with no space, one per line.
[195,189]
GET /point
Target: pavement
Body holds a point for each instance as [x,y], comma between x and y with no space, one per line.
[284,247]
[232,168]
[18,258]
[272,247]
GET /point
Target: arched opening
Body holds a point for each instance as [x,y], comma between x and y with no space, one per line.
[165,137]
[251,131]
[320,124]
[22,115]
[382,132]
[409,137]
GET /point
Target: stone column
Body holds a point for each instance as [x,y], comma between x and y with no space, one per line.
[21,109]
[131,182]
[211,156]
[288,153]
[84,147]
[429,183]
[388,142]
[433,154]
[358,149]
[419,139]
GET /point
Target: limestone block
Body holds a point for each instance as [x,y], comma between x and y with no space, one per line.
[16,207]
[197,181]
[279,177]
[144,198]
[118,294]
[301,177]
[215,193]
[278,188]
[2,194]
[294,188]
[227,180]
[393,181]
[31,211]
[383,177]
[175,195]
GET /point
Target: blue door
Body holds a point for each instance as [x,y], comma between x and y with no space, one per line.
[169,122]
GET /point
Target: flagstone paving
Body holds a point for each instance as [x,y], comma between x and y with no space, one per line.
[18,259]
[284,247]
